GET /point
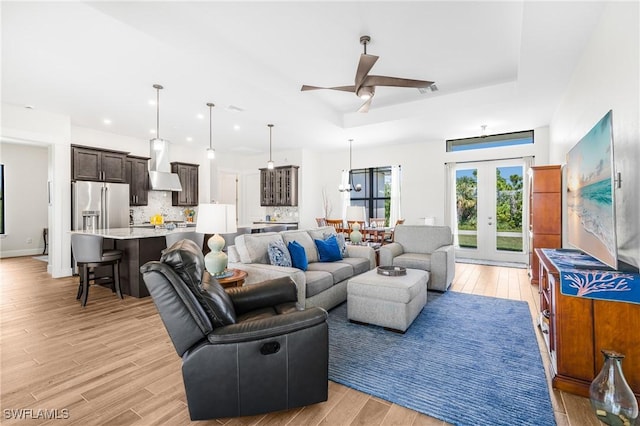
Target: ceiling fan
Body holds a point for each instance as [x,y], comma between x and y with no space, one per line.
[365,84]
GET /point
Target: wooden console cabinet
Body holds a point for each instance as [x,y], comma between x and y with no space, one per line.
[576,329]
[545,217]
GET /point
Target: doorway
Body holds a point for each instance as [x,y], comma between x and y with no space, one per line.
[491,210]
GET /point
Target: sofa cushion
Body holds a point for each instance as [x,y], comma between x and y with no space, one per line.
[339,270]
[413,261]
[279,254]
[325,232]
[298,255]
[317,282]
[328,249]
[359,264]
[422,238]
[304,239]
[253,248]
[185,257]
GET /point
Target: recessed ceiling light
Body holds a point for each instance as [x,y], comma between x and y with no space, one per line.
[152,131]
[152,102]
[189,138]
[29,107]
[234,108]
[106,121]
[200,116]
[236,127]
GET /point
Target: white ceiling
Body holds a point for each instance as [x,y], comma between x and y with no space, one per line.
[504,64]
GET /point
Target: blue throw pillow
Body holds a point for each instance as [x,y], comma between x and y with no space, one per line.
[341,242]
[298,255]
[328,249]
[278,254]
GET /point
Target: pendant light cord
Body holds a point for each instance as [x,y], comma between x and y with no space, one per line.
[157,87]
[210,105]
[270,127]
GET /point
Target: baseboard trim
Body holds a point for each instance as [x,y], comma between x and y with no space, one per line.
[18,253]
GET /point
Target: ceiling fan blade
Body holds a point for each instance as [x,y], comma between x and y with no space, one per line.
[364,66]
[342,88]
[365,106]
[379,80]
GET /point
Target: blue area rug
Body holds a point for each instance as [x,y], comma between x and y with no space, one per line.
[468,360]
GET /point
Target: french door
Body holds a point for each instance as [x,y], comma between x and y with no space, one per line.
[491,205]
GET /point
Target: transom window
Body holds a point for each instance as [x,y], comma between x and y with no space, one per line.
[491,141]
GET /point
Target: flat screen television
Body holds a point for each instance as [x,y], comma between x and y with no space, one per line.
[591,216]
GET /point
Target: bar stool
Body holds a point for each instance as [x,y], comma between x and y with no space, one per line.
[88,253]
[196,237]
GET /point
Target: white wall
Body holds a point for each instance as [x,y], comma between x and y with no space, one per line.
[422,165]
[26,202]
[31,126]
[608,77]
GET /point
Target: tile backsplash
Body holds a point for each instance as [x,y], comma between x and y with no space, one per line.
[159,203]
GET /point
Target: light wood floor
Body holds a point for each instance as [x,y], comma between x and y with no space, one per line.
[112,362]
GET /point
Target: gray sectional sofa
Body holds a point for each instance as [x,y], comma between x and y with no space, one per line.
[323,284]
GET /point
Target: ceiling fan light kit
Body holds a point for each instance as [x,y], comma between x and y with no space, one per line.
[365,84]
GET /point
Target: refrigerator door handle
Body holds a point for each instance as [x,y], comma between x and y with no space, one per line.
[105,206]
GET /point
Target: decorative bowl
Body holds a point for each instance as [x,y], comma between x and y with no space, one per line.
[392,271]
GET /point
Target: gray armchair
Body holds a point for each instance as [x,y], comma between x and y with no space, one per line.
[245,351]
[429,248]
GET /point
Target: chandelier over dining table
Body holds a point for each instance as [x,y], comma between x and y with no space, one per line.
[349,186]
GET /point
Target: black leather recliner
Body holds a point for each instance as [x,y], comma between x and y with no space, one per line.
[246,350]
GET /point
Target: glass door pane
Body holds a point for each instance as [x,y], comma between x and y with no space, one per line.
[509,187]
[467,206]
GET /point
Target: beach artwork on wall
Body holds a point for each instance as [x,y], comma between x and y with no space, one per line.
[590,194]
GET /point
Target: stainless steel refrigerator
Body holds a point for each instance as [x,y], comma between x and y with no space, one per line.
[98,205]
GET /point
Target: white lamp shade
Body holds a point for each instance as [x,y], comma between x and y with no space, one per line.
[356,213]
[216,219]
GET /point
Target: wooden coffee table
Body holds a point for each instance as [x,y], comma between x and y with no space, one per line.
[235,280]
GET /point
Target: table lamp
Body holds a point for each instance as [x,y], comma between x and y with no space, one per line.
[216,219]
[355,213]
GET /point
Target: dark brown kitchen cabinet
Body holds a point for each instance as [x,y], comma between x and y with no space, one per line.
[137,175]
[188,174]
[279,186]
[98,164]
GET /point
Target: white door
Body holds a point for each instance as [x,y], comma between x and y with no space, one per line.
[491,204]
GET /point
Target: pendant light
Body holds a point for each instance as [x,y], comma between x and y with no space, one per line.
[350,186]
[158,143]
[270,162]
[211,153]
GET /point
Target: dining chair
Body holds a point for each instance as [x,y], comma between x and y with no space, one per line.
[388,237]
[338,224]
[88,252]
[375,231]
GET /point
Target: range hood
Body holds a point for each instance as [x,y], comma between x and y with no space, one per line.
[160,176]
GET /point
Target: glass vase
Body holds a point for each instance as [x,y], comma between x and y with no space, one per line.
[611,396]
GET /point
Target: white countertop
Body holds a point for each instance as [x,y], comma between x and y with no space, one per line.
[132,233]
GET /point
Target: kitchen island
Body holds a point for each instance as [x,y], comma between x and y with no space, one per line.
[139,246]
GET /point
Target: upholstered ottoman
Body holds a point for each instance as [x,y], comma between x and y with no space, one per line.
[388,301]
